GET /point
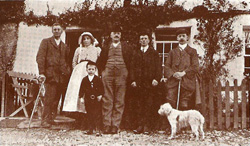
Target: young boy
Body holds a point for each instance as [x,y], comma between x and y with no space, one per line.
[92,88]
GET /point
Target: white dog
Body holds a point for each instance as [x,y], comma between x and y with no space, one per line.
[179,119]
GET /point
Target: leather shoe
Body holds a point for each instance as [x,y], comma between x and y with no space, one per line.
[138,130]
[45,125]
[146,130]
[106,130]
[90,131]
[98,133]
[114,130]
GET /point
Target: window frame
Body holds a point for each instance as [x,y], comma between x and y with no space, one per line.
[246,29]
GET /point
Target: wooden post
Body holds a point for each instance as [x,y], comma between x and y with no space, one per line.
[248,106]
[219,106]
[203,101]
[211,105]
[236,110]
[227,103]
[243,104]
[3,94]
[6,100]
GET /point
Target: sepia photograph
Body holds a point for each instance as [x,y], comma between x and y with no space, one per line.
[125,72]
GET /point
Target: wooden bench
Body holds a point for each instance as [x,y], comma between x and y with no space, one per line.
[23,86]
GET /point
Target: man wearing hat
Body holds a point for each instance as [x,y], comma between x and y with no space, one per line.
[181,68]
[113,63]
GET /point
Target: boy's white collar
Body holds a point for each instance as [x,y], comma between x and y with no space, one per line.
[91,77]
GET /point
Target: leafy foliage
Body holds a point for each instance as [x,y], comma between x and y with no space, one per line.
[216,33]
[7,46]
[132,18]
[11,11]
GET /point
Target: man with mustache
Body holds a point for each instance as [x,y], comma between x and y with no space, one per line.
[113,63]
[181,68]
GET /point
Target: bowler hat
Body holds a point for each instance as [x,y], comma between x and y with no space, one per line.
[116,28]
[181,31]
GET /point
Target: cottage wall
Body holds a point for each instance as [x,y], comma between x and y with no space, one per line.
[29,39]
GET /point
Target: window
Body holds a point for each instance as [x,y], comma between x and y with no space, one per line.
[246,30]
[165,41]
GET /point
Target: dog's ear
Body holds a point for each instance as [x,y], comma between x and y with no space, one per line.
[169,108]
[169,105]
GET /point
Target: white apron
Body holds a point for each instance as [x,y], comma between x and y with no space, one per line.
[72,102]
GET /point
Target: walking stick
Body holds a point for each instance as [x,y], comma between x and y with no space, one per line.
[36,102]
[178,97]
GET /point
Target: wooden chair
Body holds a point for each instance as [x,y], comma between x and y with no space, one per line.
[23,87]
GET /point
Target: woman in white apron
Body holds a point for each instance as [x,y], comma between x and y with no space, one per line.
[86,52]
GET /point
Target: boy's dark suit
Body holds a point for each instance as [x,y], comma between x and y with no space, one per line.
[92,89]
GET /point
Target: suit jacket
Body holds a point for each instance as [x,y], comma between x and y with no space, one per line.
[102,60]
[86,88]
[178,61]
[51,60]
[145,67]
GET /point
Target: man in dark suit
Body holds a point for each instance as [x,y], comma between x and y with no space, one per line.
[145,75]
[181,68]
[114,65]
[52,65]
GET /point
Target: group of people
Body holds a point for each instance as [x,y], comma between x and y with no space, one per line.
[101,77]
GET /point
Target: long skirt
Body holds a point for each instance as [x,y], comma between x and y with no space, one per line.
[72,102]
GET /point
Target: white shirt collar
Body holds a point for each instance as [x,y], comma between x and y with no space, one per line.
[183,46]
[91,77]
[144,49]
[58,41]
[116,44]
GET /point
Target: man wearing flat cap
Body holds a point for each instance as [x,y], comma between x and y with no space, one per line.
[181,68]
[113,63]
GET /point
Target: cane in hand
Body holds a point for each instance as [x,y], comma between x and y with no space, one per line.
[178,97]
[36,102]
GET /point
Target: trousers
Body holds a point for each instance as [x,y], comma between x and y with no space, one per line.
[94,113]
[185,97]
[146,107]
[52,96]
[114,82]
